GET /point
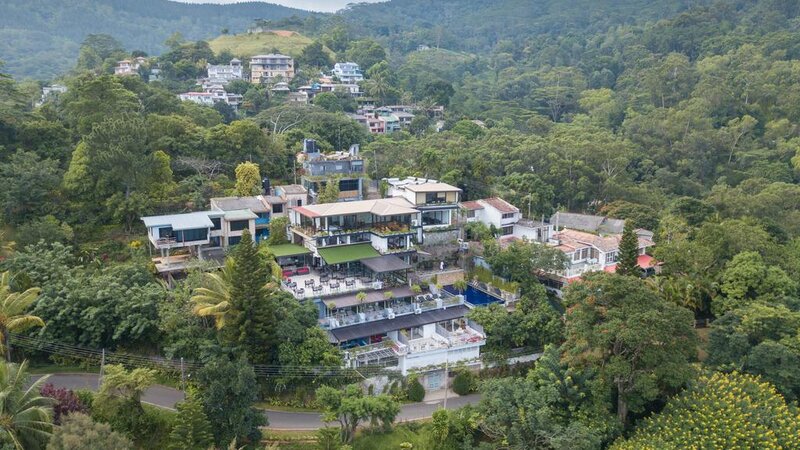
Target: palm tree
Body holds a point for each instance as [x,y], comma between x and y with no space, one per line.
[213,298]
[25,416]
[12,311]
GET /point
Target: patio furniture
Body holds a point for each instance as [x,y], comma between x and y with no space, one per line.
[287,273]
[317,288]
[350,283]
[300,291]
[334,285]
[303,271]
[309,282]
[324,279]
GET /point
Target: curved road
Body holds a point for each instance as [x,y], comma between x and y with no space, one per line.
[167,397]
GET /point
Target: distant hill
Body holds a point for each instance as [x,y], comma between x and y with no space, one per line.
[41,38]
[249,44]
[478,25]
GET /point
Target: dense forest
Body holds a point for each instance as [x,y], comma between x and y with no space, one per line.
[40,39]
[681,117]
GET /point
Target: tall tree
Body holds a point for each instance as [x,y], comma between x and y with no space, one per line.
[628,251]
[248,179]
[191,430]
[330,192]
[228,390]
[638,345]
[13,318]
[253,321]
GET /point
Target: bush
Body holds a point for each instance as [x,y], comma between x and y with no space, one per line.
[464,383]
[66,402]
[416,392]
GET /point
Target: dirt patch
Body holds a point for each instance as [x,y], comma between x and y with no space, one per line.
[283,33]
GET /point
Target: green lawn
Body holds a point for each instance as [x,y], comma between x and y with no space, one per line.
[247,45]
[415,433]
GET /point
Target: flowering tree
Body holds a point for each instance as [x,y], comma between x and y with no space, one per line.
[66,402]
[720,411]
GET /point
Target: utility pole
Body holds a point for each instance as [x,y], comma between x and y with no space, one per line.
[102,369]
[183,377]
[446,367]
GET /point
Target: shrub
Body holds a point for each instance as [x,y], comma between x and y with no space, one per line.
[416,392]
[464,383]
[66,402]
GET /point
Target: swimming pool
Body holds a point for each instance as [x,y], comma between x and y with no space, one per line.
[475,296]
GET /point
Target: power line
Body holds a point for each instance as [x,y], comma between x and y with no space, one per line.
[128,359]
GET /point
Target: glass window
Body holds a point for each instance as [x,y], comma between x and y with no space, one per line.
[277,208]
[436,218]
[508,230]
[165,233]
[348,185]
[199,234]
[217,223]
[611,257]
[508,216]
[234,240]
[239,225]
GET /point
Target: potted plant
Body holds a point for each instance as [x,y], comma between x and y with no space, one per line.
[416,289]
[361,297]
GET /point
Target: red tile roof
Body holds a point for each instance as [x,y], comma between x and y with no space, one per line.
[500,205]
[471,205]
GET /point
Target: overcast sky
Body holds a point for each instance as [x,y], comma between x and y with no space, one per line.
[314,5]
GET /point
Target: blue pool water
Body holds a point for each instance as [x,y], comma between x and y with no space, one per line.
[475,296]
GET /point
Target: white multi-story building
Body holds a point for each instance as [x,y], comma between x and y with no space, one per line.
[212,94]
[348,72]
[224,73]
[436,201]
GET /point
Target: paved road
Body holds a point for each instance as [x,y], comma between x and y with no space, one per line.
[163,396]
[280,420]
[167,397]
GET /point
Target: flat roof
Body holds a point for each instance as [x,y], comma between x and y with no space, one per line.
[385,263]
[253,203]
[347,300]
[398,323]
[394,206]
[240,214]
[186,221]
[282,250]
[432,187]
[347,253]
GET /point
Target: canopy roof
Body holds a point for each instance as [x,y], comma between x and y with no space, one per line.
[385,263]
[347,300]
[347,253]
[394,206]
[187,221]
[282,250]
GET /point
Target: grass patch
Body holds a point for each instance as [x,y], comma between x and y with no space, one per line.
[285,408]
[247,45]
[416,433]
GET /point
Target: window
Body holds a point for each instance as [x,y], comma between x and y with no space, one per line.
[348,185]
[277,208]
[198,234]
[234,240]
[508,215]
[165,233]
[396,242]
[611,257]
[436,218]
[471,213]
[239,225]
[217,223]
[299,202]
[214,242]
[435,197]
[508,230]
[576,256]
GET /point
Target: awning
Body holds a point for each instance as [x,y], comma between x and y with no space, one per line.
[646,261]
[398,323]
[347,300]
[282,250]
[347,253]
[385,263]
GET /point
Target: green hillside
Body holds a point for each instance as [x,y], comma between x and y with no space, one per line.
[249,44]
[40,38]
